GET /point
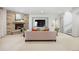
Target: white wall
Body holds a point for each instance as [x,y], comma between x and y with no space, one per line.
[67,21]
[75,28]
[3,26]
[50,22]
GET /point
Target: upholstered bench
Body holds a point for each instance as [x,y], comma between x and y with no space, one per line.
[40,36]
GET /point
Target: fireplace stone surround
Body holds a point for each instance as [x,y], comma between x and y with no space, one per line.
[11,22]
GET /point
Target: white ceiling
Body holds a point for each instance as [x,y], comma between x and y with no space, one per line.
[40,10]
[75,10]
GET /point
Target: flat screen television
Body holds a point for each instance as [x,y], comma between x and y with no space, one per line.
[40,23]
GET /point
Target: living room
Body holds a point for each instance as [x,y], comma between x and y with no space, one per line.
[39,25]
[51,17]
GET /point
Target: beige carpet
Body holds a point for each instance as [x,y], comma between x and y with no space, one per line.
[17,43]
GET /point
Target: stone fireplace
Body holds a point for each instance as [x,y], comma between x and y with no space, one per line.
[13,25]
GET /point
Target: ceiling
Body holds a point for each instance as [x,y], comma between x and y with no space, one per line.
[75,10]
[39,10]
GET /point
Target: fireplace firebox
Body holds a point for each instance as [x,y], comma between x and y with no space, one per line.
[18,26]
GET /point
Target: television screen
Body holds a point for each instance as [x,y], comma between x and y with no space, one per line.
[40,23]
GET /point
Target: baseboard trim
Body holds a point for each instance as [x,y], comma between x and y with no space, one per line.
[39,40]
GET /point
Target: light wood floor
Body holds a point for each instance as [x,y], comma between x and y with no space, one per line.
[17,43]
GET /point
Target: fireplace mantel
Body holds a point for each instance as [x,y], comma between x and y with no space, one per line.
[18,22]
